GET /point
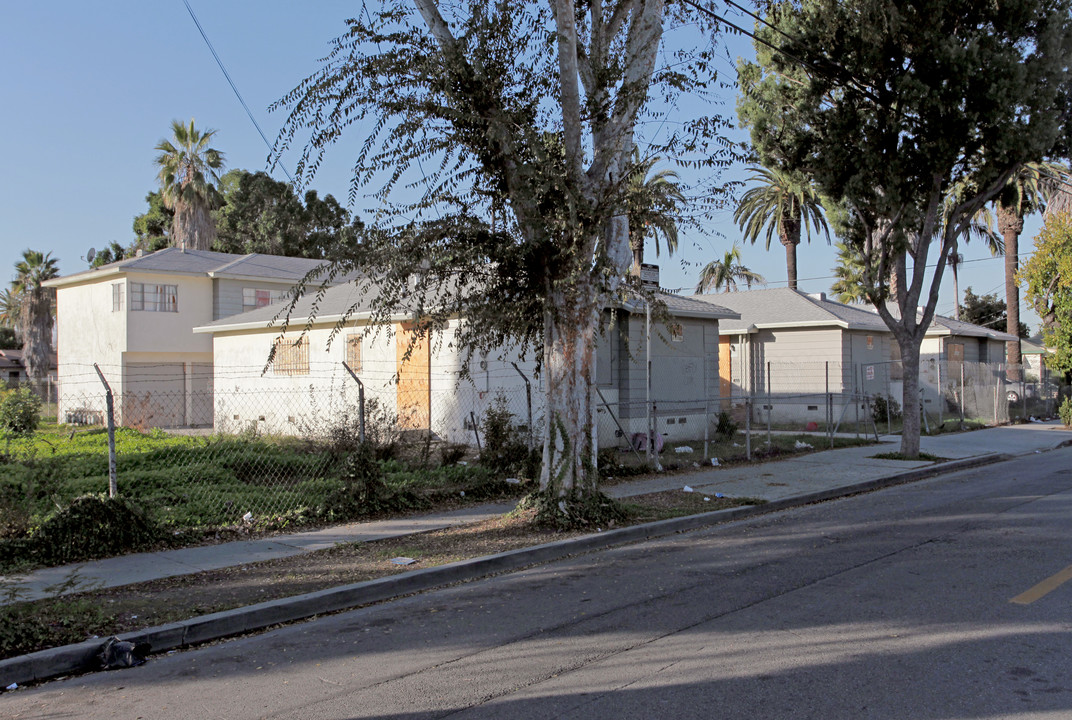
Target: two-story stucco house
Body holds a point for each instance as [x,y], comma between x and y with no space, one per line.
[134,319]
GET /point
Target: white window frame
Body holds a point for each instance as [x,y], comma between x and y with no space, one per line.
[154,297]
[117,297]
[251,302]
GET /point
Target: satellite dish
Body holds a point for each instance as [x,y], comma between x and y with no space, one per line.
[90,254]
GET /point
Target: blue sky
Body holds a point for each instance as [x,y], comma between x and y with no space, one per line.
[90,88]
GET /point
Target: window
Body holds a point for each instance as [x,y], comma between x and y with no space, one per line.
[154,298]
[353,352]
[253,298]
[677,332]
[291,357]
[117,297]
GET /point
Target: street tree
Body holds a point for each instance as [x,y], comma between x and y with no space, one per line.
[262,215]
[37,310]
[725,274]
[785,204]
[887,107]
[1047,280]
[515,123]
[189,170]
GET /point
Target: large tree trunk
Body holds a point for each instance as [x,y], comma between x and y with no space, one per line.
[569,452]
[36,328]
[1011,225]
[910,403]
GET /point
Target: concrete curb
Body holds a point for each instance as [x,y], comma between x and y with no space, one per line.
[71,659]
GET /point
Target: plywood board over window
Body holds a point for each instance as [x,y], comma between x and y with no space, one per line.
[291,357]
[414,378]
[353,351]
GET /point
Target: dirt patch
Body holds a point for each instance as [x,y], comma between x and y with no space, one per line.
[129,608]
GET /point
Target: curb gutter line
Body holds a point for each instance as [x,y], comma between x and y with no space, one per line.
[71,659]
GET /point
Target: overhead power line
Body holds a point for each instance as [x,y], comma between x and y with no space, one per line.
[231,82]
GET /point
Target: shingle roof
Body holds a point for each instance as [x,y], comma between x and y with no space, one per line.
[784,308]
[335,302]
[341,299]
[684,306]
[200,262]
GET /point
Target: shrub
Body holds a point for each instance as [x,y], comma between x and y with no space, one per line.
[885,409]
[726,428]
[505,448]
[20,411]
[95,526]
[1065,412]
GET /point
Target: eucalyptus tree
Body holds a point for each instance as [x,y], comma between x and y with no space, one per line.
[37,310]
[783,204]
[525,112]
[725,274]
[189,170]
[887,106]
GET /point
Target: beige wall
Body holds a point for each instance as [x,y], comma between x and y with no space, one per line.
[170,331]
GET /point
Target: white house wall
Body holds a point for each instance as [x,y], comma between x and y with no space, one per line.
[311,403]
[87,332]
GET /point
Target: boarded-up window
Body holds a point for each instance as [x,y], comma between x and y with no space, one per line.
[870,342]
[353,352]
[291,357]
[955,352]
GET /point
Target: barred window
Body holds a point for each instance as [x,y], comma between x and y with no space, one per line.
[353,351]
[117,297]
[291,357]
[154,298]
[253,298]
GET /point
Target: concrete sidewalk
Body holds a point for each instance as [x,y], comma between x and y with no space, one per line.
[785,484]
[829,470]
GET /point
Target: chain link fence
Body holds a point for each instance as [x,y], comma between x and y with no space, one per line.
[199,450]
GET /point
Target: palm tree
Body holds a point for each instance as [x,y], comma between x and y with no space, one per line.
[849,285]
[188,170]
[9,310]
[1026,192]
[981,227]
[724,274]
[37,308]
[653,200]
[784,204]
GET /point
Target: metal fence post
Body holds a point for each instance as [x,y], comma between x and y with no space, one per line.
[113,483]
[360,402]
[770,405]
[528,402]
[748,429]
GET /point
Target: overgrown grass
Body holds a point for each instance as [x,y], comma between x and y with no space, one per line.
[190,485]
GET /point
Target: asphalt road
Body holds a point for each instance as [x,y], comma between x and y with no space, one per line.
[895,604]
